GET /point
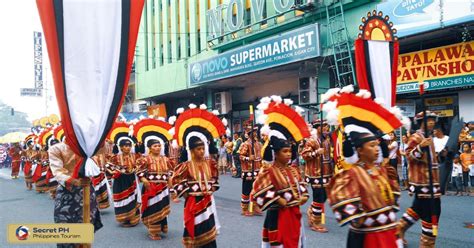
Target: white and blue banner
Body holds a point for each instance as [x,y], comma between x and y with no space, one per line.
[288,47]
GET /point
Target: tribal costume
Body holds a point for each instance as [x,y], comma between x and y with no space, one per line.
[197,178]
[100,182]
[28,156]
[364,194]
[155,172]
[68,202]
[15,155]
[313,177]
[125,185]
[279,187]
[250,168]
[418,179]
[41,170]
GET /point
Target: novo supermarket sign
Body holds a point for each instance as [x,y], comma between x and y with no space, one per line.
[296,45]
[441,68]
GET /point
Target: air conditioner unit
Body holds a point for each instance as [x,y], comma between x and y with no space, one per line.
[223,102]
[307,89]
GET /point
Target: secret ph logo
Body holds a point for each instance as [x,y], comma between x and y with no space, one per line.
[22,233]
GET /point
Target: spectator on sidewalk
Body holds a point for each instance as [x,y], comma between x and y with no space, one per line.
[466,160]
[456,175]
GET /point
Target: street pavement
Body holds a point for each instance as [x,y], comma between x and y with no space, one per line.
[17,205]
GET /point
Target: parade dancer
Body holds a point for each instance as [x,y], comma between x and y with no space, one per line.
[155,173]
[318,172]
[365,193]
[279,188]
[15,154]
[68,202]
[123,166]
[28,156]
[100,182]
[250,160]
[196,179]
[40,175]
[422,161]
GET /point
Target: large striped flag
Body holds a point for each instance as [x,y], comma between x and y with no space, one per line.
[376,57]
[91,46]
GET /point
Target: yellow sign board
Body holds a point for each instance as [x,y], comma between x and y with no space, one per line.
[50,233]
[437,101]
[441,62]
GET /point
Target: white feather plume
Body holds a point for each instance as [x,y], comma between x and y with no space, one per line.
[203,106]
[332,117]
[265,130]
[265,99]
[363,93]
[172,131]
[299,110]
[380,101]
[347,89]
[141,117]
[161,119]
[277,99]
[130,130]
[262,119]
[192,106]
[263,106]
[225,122]
[151,116]
[288,102]
[172,120]
[227,132]
[179,111]
[330,93]
[215,112]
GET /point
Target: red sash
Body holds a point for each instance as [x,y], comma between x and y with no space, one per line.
[385,239]
[27,168]
[37,172]
[289,226]
[191,209]
[150,192]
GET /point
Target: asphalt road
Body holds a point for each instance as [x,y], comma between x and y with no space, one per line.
[17,205]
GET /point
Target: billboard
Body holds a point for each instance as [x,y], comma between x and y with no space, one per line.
[442,67]
[38,59]
[417,16]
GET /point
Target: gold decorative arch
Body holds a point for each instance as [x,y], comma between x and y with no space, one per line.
[377,27]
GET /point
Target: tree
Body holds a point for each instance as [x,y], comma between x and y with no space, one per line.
[12,123]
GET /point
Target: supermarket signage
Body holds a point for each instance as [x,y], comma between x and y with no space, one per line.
[231,16]
[441,68]
[292,46]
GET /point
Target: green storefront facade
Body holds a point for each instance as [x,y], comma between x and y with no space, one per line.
[190,50]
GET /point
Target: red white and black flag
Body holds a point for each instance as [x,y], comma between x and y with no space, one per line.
[376,57]
[91,46]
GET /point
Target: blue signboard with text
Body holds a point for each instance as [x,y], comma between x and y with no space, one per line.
[292,46]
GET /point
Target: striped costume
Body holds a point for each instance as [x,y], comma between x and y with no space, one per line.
[283,225]
[313,176]
[126,206]
[41,170]
[418,179]
[29,156]
[100,181]
[197,181]
[248,177]
[367,200]
[156,197]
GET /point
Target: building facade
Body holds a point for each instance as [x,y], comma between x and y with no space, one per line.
[229,53]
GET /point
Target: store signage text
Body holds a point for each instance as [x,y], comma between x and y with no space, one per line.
[288,47]
[232,15]
[443,67]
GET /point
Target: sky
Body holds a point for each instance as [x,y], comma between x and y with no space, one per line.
[18,21]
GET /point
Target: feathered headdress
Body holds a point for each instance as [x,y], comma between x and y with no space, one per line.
[30,139]
[147,130]
[46,139]
[281,122]
[198,123]
[357,114]
[121,131]
[59,133]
